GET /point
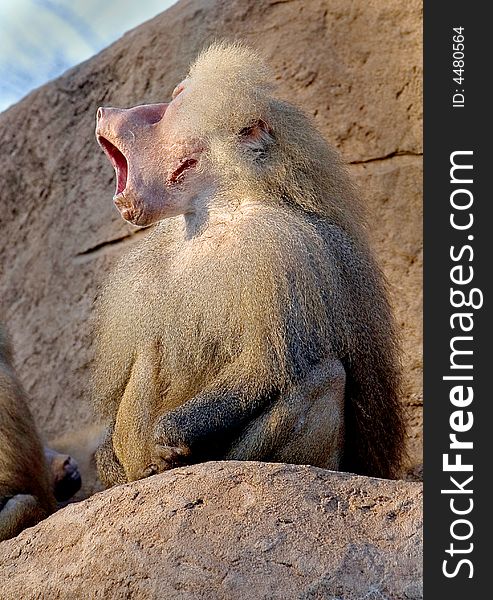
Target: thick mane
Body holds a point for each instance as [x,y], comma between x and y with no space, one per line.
[230,89]
[303,173]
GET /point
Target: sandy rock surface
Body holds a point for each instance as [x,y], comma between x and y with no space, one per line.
[354,65]
[227,530]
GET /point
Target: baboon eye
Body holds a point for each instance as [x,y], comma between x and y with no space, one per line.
[257,138]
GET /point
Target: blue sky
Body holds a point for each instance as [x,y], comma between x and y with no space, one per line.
[40,39]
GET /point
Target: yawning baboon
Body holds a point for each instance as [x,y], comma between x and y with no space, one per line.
[252,322]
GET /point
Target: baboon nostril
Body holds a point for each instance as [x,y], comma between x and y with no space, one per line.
[99,113]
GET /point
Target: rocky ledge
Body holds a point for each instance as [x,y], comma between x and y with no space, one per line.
[232,530]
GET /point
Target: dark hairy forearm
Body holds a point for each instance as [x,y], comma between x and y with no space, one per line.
[209,415]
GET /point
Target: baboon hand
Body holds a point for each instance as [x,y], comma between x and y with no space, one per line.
[167,457]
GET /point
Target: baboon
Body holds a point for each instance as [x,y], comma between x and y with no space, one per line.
[252,321]
[32,479]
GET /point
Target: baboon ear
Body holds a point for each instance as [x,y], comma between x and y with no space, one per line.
[257,137]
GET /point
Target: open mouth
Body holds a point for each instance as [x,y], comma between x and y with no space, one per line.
[118,161]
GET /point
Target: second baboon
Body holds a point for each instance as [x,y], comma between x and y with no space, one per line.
[32,479]
[252,322]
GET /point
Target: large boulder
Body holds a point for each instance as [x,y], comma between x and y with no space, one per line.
[354,65]
[227,530]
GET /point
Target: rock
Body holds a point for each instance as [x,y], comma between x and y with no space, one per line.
[355,65]
[227,530]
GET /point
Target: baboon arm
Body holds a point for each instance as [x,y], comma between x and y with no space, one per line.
[312,407]
[109,467]
[211,414]
[19,512]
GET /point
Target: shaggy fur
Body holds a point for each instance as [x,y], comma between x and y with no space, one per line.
[229,324]
[26,495]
